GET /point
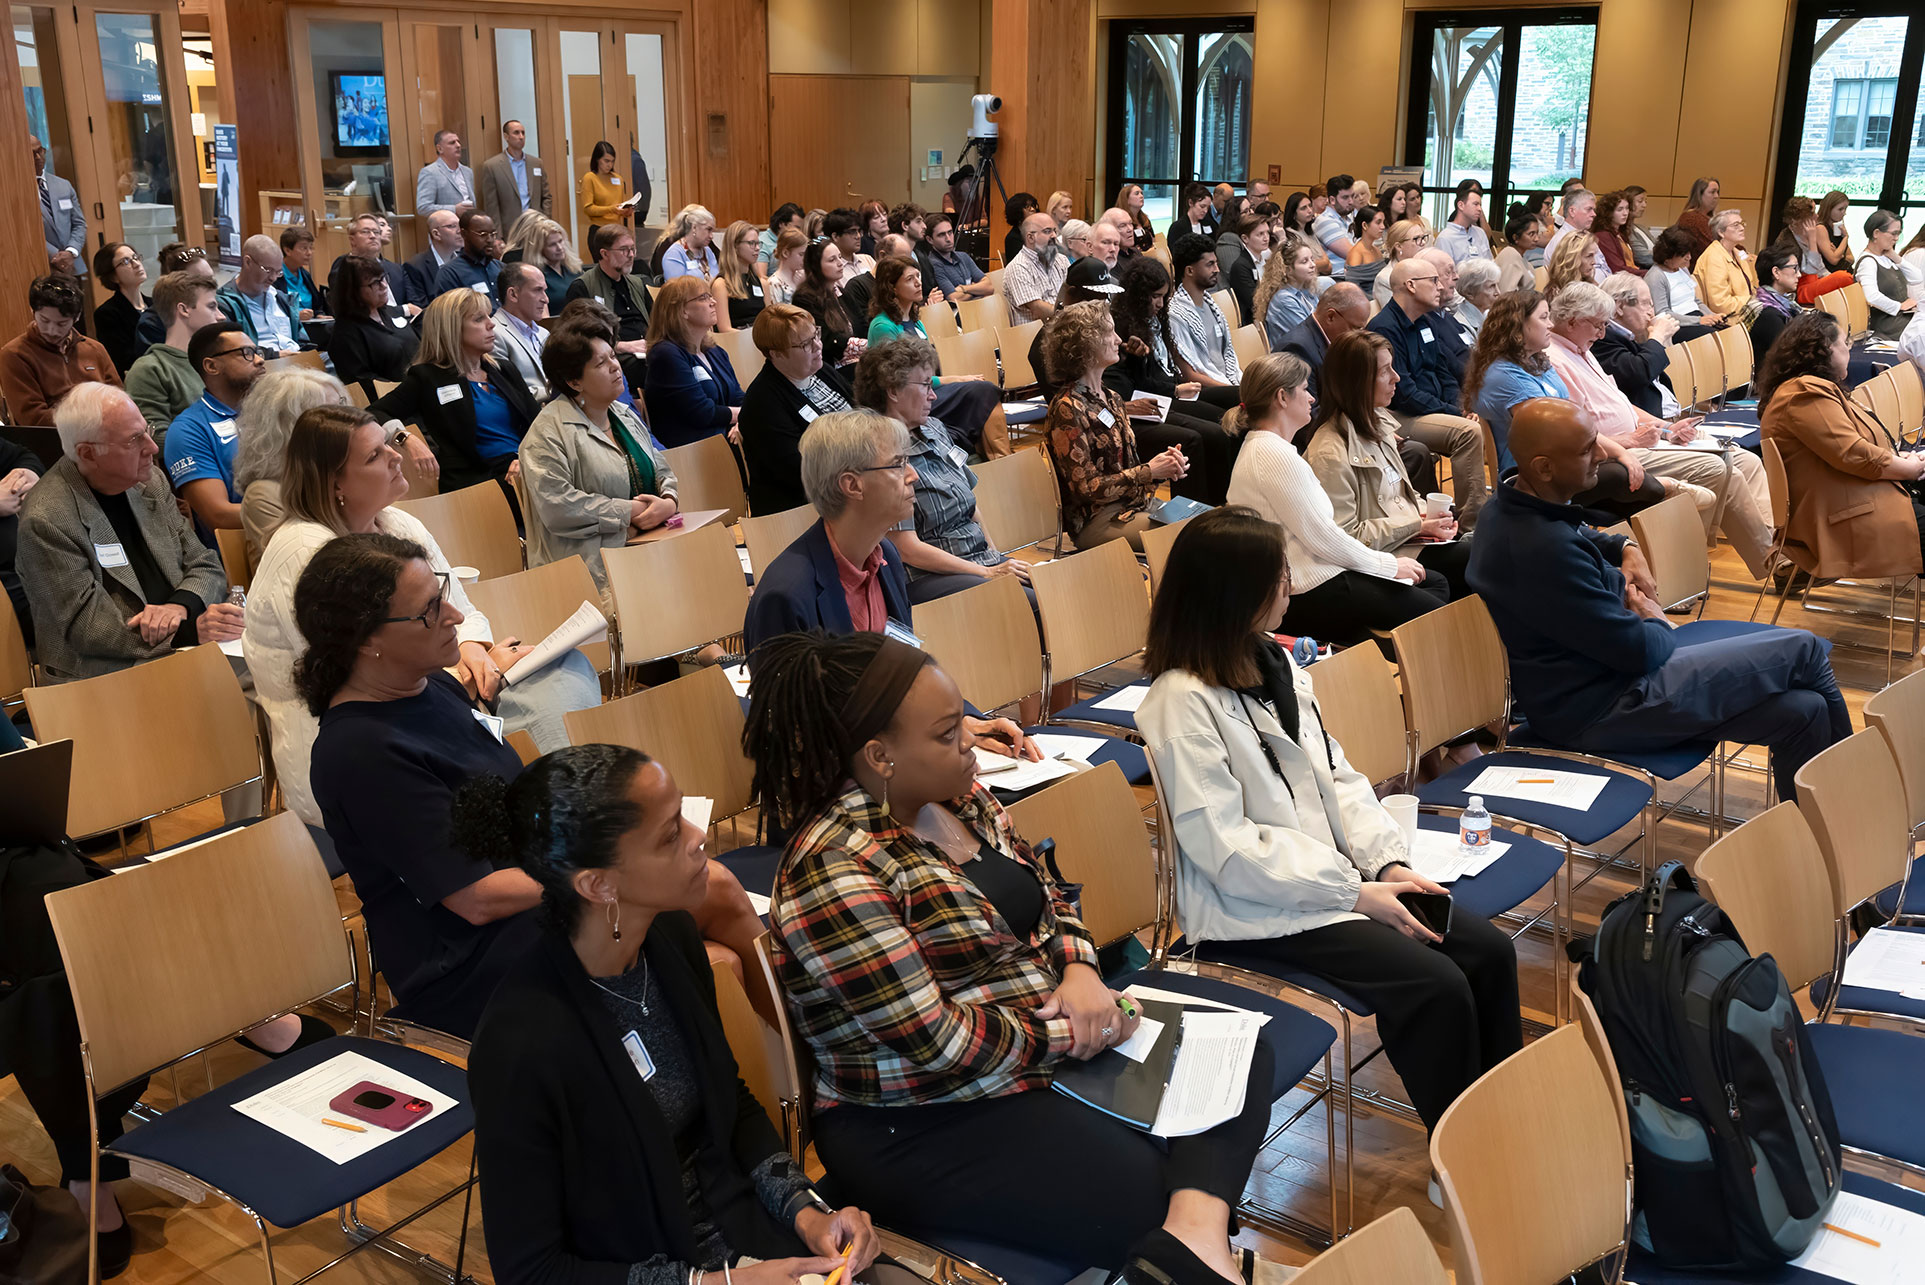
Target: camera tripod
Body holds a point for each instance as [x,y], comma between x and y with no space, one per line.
[972,217]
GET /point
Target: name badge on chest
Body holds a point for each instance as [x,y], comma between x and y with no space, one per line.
[638,1054]
[110,555]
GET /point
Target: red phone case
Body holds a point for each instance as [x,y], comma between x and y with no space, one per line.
[402,1111]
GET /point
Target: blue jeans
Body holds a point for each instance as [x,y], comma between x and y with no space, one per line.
[1772,687]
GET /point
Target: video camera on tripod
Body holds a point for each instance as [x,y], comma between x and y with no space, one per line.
[972,211]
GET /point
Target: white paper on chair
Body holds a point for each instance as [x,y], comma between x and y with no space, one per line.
[1212,1071]
[1729,430]
[1136,990]
[738,676]
[1001,772]
[587,625]
[1866,1242]
[1126,699]
[1057,746]
[1441,858]
[1888,960]
[1574,790]
[296,1107]
[1163,405]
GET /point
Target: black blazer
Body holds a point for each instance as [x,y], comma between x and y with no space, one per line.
[580,1174]
[1241,280]
[397,277]
[772,426]
[116,326]
[421,271]
[366,348]
[450,426]
[1634,365]
[835,343]
[1306,340]
[800,591]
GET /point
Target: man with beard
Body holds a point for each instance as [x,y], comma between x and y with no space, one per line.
[1204,352]
[203,439]
[1034,278]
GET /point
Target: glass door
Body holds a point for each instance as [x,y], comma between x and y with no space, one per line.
[641,123]
[345,109]
[46,45]
[584,122]
[1179,108]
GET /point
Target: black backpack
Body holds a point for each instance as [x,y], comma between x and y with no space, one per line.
[1734,1144]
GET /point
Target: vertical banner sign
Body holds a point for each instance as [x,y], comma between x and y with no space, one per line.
[227,200]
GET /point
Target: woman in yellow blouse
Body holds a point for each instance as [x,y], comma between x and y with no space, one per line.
[1727,279]
[601,192]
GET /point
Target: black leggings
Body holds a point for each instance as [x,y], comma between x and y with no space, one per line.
[1211,451]
[1346,607]
[1613,496]
[1449,561]
[927,1170]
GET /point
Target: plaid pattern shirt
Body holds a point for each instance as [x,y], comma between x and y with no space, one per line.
[906,983]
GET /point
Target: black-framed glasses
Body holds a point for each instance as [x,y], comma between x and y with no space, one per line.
[246,352]
[431,615]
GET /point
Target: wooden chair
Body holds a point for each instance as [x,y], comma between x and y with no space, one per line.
[1156,548]
[1528,1161]
[1707,368]
[744,356]
[1882,400]
[1540,277]
[1898,713]
[940,320]
[383,387]
[1833,303]
[1734,347]
[153,958]
[357,395]
[673,596]
[1911,398]
[985,313]
[1357,697]
[523,745]
[234,559]
[767,536]
[303,359]
[693,725]
[707,477]
[1249,342]
[474,527]
[1585,1016]
[1018,503]
[985,640]
[530,604]
[1226,300]
[1094,610]
[995,279]
[1672,537]
[1014,341]
[1684,382]
[16,664]
[973,352]
[150,739]
[1854,798]
[1858,312]
[1393,1248]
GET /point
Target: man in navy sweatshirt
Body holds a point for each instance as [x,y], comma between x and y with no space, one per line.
[1595,666]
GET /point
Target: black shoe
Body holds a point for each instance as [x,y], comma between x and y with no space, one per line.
[116,1249]
[1161,1259]
[313,1031]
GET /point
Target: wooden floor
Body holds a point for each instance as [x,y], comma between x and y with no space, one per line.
[178,1242]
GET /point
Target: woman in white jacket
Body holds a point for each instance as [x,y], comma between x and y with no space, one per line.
[1282,847]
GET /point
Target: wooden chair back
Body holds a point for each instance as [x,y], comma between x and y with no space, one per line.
[1881,399]
[382,387]
[1455,673]
[1249,342]
[1017,501]
[939,321]
[1393,1248]
[1094,609]
[1833,303]
[972,352]
[693,725]
[994,277]
[149,739]
[1226,300]
[985,639]
[302,359]
[791,1068]
[1707,369]
[767,536]
[756,1046]
[1014,341]
[1734,347]
[1100,843]
[1540,277]
[1898,713]
[1684,382]
[16,664]
[1672,537]
[744,356]
[1769,876]
[985,313]
[357,394]
[530,604]
[1156,548]
[151,954]
[1528,1161]
[1361,709]
[1911,396]
[523,745]
[675,595]
[1588,1021]
[1777,482]
[706,477]
[474,527]
[1854,798]
[1858,311]
[234,560]
[1493,466]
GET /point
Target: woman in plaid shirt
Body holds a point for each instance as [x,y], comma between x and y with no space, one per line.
[939,976]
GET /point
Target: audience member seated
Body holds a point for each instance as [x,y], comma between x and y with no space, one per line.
[1631,230]
[613,281]
[113,571]
[787,215]
[1574,258]
[1353,451]
[1281,845]
[1105,490]
[689,253]
[1822,230]
[1852,505]
[1694,224]
[741,291]
[1367,257]
[473,267]
[1463,237]
[1523,235]
[1730,481]
[1196,217]
[519,337]
[1726,278]
[824,266]
[1610,225]
[1674,291]
[1882,277]
[873,216]
[1454,334]
[599,830]
[471,412]
[163,383]
[1200,334]
[1033,278]
[600,195]
[1406,239]
[1633,348]
[202,441]
[1477,290]
[1077,239]
[963,402]
[1251,242]
[372,339]
[1341,309]
[1580,215]
[1595,666]
[942,543]
[954,273]
[297,274]
[546,245]
[859,288]
[1777,298]
[590,475]
[1333,227]
[266,421]
[365,241]
[692,391]
[1343,588]
[932,1036]
[264,309]
[51,356]
[444,243]
[1142,236]
[117,267]
[1289,290]
[793,388]
[1425,395]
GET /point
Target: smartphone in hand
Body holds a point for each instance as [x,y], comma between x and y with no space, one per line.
[1431,909]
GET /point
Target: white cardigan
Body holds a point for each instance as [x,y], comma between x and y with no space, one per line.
[1258,856]
[1273,479]
[274,642]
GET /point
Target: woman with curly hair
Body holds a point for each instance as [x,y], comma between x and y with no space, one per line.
[1289,289]
[1611,227]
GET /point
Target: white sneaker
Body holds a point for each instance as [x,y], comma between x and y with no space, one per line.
[1435,1192]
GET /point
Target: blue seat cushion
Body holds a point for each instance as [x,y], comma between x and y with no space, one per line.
[754,867]
[1236,954]
[1887,901]
[1873,1077]
[1297,1039]
[1025,412]
[279,1178]
[1510,881]
[1624,797]
[1666,764]
[1865,999]
[1646,1270]
[1087,711]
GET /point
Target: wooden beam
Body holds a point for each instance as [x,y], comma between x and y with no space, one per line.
[251,55]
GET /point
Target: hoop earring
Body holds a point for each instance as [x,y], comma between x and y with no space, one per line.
[614,917]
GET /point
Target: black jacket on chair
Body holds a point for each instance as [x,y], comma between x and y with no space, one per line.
[1634,365]
[450,425]
[580,1176]
[366,348]
[772,425]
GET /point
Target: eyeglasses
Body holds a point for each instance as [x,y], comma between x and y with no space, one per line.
[1411,281]
[896,465]
[927,385]
[811,340]
[430,617]
[246,352]
[127,262]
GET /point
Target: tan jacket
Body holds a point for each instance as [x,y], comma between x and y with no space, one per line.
[501,199]
[1515,273]
[1370,494]
[1725,283]
[1845,520]
[575,478]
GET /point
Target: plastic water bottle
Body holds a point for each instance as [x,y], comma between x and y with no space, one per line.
[1474,827]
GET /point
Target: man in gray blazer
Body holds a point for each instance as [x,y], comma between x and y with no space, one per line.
[445,183]
[114,573]
[514,180]
[519,338]
[61,218]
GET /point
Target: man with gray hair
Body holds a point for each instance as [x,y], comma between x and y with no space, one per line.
[445,183]
[1119,218]
[519,338]
[1580,211]
[1477,290]
[114,573]
[1033,279]
[1428,401]
[264,310]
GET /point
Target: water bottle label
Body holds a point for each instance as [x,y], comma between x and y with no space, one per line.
[1478,838]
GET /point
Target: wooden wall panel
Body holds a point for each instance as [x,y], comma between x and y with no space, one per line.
[252,67]
[728,77]
[809,37]
[948,38]
[1045,71]
[1732,114]
[814,166]
[23,242]
[882,38]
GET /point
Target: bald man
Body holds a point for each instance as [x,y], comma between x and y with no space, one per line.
[1595,666]
[1428,401]
[264,310]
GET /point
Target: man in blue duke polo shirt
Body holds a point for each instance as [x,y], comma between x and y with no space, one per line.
[203,439]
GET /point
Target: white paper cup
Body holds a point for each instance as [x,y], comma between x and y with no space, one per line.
[1403,810]
[467,575]
[1436,505]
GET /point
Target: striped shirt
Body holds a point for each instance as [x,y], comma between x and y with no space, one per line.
[945,514]
[1202,336]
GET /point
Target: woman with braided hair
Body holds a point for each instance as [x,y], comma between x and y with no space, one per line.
[939,976]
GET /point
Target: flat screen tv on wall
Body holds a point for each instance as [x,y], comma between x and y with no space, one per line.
[360,101]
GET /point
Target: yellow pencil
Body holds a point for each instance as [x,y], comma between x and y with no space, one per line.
[351,1128]
[836,1275]
[1863,1240]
